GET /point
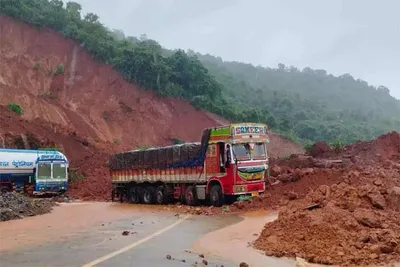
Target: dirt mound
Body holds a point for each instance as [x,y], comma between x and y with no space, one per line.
[385,147]
[356,221]
[319,149]
[95,181]
[16,206]
[280,147]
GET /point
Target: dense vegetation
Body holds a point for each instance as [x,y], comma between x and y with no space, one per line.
[307,104]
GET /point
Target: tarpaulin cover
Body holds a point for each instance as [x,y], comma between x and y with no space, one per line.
[176,156]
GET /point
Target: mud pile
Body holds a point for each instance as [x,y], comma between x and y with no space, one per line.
[385,147]
[356,221]
[16,206]
[91,179]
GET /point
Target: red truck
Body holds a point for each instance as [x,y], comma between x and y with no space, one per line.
[229,161]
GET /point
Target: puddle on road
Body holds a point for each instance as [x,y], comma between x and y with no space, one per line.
[66,220]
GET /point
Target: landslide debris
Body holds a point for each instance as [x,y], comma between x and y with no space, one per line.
[345,223]
[16,206]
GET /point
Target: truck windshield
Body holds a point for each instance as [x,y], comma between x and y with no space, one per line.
[59,171]
[259,151]
[44,171]
[243,151]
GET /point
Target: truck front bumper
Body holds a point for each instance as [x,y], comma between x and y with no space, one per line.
[253,188]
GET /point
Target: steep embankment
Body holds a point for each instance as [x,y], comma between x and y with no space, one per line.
[56,80]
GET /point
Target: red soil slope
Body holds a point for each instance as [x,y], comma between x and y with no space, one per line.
[89,98]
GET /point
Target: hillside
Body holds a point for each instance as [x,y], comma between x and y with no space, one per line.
[308,104]
[87,97]
[312,103]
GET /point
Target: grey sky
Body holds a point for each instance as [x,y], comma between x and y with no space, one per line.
[360,37]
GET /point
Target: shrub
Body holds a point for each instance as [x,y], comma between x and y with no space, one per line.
[36,66]
[59,69]
[75,176]
[15,108]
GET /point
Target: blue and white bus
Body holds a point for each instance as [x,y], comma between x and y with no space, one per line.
[35,172]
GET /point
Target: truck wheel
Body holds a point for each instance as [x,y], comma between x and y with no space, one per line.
[149,195]
[161,195]
[134,194]
[216,196]
[191,196]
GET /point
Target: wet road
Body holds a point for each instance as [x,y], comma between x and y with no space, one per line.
[97,240]
[90,234]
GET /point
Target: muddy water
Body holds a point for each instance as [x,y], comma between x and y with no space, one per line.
[66,220]
[233,242]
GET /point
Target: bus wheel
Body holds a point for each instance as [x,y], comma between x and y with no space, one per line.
[4,189]
[149,195]
[216,196]
[191,196]
[134,194]
[161,195]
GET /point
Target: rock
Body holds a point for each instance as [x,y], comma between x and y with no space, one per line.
[375,249]
[292,195]
[325,190]
[393,198]
[243,264]
[386,249]
[377,200]
[275,171]
[168,257]
[201,255]
[378,182]
[205,262]
[125,232]
[359,245]
[381,248]
[273,239]
[367,218]
[373,256]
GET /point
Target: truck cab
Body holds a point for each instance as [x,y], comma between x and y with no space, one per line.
[51,174]
[43,171]
[237,161]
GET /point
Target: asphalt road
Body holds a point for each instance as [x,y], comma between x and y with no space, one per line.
[153,236]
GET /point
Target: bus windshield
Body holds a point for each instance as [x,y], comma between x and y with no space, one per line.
[44,171]
[59,171]
[244,152]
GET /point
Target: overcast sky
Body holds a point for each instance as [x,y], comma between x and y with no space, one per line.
[360,37]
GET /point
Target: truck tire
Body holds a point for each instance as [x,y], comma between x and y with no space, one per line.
[216,196]
[191,196]
[134,194]
[149,195]
[161,195]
